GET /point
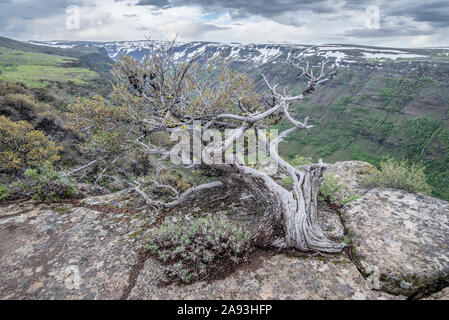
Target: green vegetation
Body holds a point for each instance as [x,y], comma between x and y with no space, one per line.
[44,183]
[330,187]
[300,161]
[11,57]
[205,248]
[41,70]
[48,184]
[397,93]
[86,57]
[398,175]
[4,192]
[364,116]
[21,146]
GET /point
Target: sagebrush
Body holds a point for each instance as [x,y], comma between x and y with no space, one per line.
[204,248]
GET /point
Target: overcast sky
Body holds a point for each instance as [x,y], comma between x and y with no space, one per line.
[404,23]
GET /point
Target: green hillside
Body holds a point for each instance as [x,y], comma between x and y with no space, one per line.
[40,69]
[89,57]
[66,74]
[37,83]
[363,113]
[370,108]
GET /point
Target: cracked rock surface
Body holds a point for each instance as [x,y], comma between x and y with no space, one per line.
[276,277]
[64,252]
[405,235]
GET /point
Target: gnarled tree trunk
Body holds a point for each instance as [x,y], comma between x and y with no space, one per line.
[290,217]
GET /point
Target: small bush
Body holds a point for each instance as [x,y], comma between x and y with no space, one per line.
[4,192]
[204,248]
[21,146]
[7,87]
[43,184]
[300,161]
[48,184]
[398,175]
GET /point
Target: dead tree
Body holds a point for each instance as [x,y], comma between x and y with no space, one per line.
[163,94]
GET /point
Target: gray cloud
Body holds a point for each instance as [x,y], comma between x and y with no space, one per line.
[199,29]
[244,8]
[434,13]
[27,10]
[157,3]
[321,20]
[282,11]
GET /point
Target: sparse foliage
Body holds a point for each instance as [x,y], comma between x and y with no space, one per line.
[4,192]
[330,187]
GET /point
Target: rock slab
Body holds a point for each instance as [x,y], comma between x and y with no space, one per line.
[277,277]
[64,252]
[405,236]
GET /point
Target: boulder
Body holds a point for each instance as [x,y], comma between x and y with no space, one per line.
[330,222]
[350,175]
[405,236]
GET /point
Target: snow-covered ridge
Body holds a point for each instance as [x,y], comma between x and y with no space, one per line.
[253,53]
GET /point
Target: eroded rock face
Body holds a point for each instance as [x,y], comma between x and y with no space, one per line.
[405,235]
[277,277]
[81,251]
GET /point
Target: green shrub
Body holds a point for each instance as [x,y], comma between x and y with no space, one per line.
[300,161]
[398,175]
[21,146]
[49,184]
[204,248]
[44,184]
[4,192]
[330,187]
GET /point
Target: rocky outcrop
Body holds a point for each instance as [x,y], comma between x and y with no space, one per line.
[91,249]
[405,235]
[277,277]
[66,252]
